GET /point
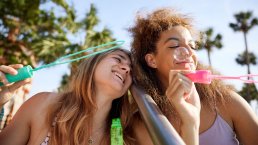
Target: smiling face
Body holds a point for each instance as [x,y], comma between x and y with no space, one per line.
[113,74]
[163,61]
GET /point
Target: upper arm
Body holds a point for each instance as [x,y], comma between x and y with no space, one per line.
[245,120]
[18,130]
[140,132]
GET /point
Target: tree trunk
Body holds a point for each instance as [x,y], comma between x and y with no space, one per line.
[248,71]
[209,56]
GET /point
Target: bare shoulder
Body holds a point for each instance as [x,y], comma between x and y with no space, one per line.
[141,133]
[40,101]
[238,106]
[44,97]
[244,119]
[36,105]
[20,129]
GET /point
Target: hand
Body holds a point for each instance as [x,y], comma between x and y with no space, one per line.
[183,95]
[7,91]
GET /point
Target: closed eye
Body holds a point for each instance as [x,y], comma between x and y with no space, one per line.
[118,59]
[174,47]
[193,48]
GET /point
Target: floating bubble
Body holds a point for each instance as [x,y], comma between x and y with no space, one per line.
[181,53]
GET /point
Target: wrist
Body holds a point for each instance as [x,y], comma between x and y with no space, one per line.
[190,134]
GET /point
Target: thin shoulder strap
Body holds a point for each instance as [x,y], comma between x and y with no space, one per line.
[215,105]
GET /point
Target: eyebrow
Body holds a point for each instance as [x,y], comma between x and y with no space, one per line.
[171,39]
[130,65]
[175,39]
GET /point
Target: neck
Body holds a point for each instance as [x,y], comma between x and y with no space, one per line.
[164,83]
[104,104]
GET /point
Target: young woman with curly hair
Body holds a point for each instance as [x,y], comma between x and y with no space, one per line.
[224,114]
[96,94]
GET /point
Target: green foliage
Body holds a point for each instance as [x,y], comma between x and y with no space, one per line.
[253,92]
[244,22]
[207,42]
[64,81]
[92,39]
[241,59]
[29,35]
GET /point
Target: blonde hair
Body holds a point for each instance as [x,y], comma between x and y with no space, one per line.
[75,108]
[145,34]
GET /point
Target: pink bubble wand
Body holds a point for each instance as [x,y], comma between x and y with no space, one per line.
[205,76]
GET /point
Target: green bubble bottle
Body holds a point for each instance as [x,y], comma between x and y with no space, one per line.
[116,132]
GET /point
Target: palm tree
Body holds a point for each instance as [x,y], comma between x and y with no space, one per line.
[92,39]
[244,24]
[253,92]
[241,59]
[208,44]
[29,35]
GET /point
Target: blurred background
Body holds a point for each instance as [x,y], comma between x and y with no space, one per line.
[37,32]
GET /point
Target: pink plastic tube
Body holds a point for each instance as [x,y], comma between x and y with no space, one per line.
[204,77]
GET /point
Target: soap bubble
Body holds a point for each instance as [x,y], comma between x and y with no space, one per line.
[181,53]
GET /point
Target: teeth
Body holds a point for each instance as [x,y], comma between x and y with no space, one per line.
[117,74]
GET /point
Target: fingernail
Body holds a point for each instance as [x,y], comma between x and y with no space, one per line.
[5,81]
[14,71]
[193,71]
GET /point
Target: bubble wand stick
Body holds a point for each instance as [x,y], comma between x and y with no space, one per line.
[205,76]
[27,71]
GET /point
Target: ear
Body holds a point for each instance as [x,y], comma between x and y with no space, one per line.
[150,59]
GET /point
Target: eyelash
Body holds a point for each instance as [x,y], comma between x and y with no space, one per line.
[179,46]
[119,60]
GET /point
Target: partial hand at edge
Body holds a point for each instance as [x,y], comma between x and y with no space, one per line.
[8,90]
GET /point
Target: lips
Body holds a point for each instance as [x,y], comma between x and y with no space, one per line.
[184,62]
[120,75]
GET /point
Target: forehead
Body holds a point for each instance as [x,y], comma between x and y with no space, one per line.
[179,32]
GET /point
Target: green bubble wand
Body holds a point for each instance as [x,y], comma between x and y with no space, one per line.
[27,71]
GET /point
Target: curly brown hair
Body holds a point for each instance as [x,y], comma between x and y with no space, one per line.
[145,35]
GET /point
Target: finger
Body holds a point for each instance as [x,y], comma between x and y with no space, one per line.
[172,87]
[8,69]
[175,93]
[17,85]
[186,72]
[188,95]
[182,77]
[173,73]
[194,99]
[16,66]
[3,78]
[178,78]
[178,90]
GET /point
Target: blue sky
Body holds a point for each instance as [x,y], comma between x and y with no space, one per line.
[117,15]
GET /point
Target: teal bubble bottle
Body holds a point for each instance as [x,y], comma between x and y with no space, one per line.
[116,132]
[23,73]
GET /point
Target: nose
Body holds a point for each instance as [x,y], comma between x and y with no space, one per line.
[125,68]
[190,50]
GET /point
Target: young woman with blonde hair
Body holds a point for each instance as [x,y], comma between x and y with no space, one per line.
[83,113]
[224,114]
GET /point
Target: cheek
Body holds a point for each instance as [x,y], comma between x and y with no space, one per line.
[129,81]
[195,59]
[100,73]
